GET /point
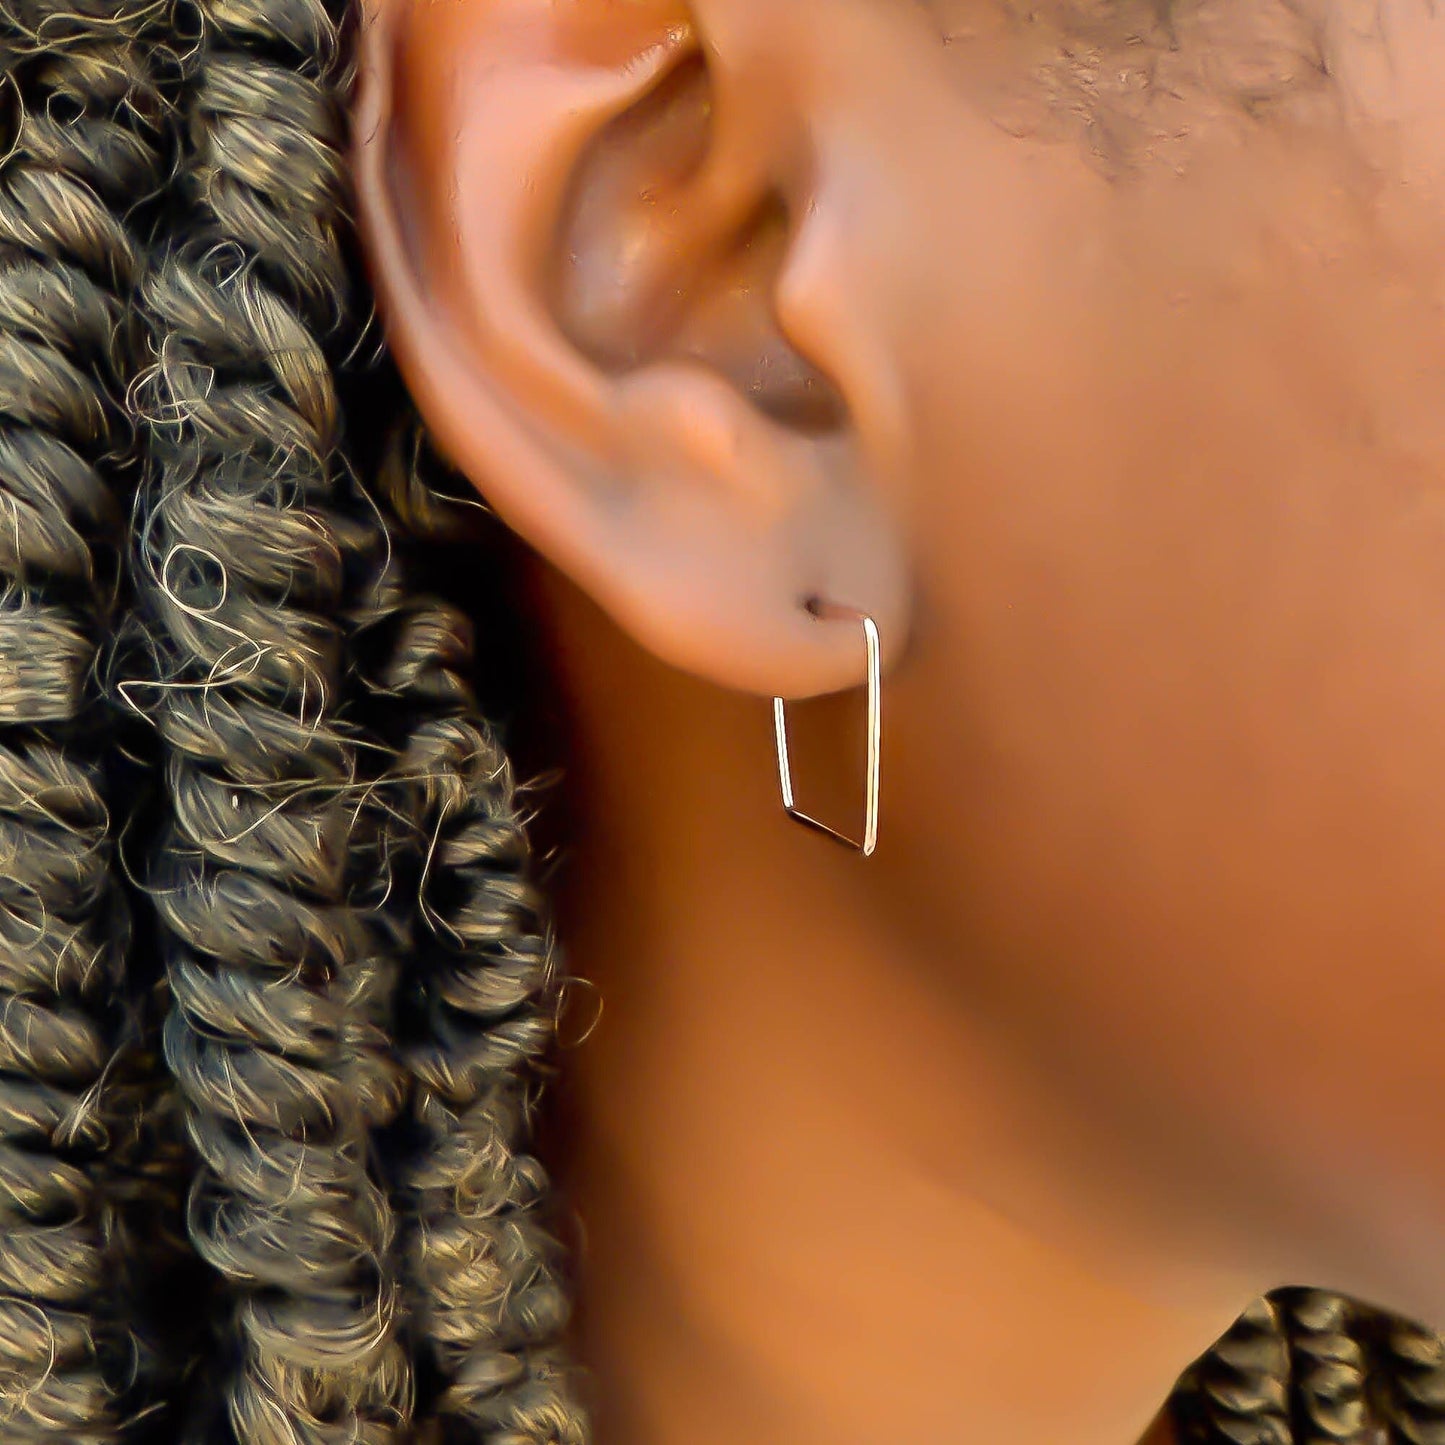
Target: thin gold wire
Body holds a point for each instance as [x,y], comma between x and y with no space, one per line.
[873,765]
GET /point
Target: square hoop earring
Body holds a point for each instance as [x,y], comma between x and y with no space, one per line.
[875,751]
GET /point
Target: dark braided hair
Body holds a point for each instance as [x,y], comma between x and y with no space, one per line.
[336,798]
[1329,1367]
[478,1015]
[1309,1367]
[281,975]
[81,1201]
[1407,1382]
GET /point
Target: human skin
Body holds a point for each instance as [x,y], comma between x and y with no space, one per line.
[1121,408]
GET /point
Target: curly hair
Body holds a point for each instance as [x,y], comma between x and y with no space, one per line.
[85,1196]
[359,981]
[246,535]
[336,805]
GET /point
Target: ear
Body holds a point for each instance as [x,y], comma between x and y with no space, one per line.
[583,226]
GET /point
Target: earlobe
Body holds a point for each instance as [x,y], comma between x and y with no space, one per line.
[577,258]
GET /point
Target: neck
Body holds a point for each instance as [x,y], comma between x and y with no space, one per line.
[817,1195]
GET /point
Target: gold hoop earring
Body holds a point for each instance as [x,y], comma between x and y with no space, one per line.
[875,749]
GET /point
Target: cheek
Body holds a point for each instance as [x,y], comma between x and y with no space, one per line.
[1051,849]
[1177,1128]
[1261,1094]
[1131,949]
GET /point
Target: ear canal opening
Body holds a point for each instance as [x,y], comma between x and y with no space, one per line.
[652,265]
[784,384]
